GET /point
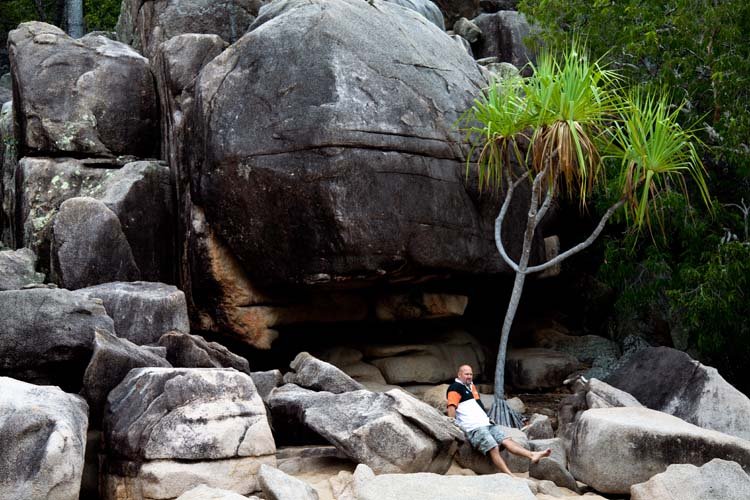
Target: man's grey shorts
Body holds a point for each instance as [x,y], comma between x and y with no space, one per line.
[487,437]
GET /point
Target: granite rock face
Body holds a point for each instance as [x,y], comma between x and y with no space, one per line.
[47,335]
[142,311]
[111,361]
[614,448]
[536,368]
[715,479]
[43,439]
[277,485]
[89,247]
[91,96]
[145,24]
[390,432]
[502,37]
[671,381]
[377,104]
[17,269]
[427,8]
[168,430]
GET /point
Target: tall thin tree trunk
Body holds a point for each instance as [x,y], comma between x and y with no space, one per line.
[74,16]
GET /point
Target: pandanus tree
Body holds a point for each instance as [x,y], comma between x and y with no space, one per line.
[571,129]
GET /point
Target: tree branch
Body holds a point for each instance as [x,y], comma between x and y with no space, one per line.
[512,185]
[581,246]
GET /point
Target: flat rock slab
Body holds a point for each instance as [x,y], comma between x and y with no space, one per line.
[142,311]
[535,368]
[669,380]
[425,486]
[43,440]
[188,414]
[92,96]
[719,479]
[47,335]
[277,485]
[615,448]
[204,492]
[17,269]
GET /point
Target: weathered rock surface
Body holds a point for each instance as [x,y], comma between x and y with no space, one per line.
[8,169]
[427,363]
[420,306]
[473,459]
[267,381]
[142,311]
[615,448]
[304,147]
[502,37]
[145,24]
[140,193]
[539,427]
[555,467]
[671,381]
[47,335]
[204,492]
[277,485]
[187,413]
[167,479]
[716,479]
[390,432]
[455,9]
[535,368]
[91,96]
[427,8]
[43,439]
[585,348]
[312,373]
[425,486]
[193,351]
[17,269]
[43,184]
[89,247]
[112,359]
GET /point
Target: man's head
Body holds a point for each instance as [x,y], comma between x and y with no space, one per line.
[465,374]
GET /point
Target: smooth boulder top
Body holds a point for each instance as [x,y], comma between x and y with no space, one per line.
[717,479]
[347,169]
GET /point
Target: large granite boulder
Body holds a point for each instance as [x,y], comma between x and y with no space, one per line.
[89,247]
[47,335]
[503,35]
[186,426]
[390,432]
[193,351]
[360,148]
[17,269]
[43,438]
[615,448]
[427,8]
[426,486]
[669,380]
[142,311]
[716,479]
[311,373]
[144,24]
[92,96]
[140,193]
[112,359]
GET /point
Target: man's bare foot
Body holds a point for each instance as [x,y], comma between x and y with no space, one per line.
[536,456]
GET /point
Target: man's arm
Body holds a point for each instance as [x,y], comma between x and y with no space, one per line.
[452,411]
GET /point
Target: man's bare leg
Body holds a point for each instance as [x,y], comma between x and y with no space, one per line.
[517,449]
[498,461]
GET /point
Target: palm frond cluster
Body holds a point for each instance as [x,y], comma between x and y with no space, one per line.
[573,113]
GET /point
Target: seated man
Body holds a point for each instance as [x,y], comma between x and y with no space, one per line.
[467,409]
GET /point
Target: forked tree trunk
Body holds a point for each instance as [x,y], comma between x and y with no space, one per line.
[500,412]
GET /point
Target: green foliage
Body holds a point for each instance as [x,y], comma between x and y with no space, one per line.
[101,15]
